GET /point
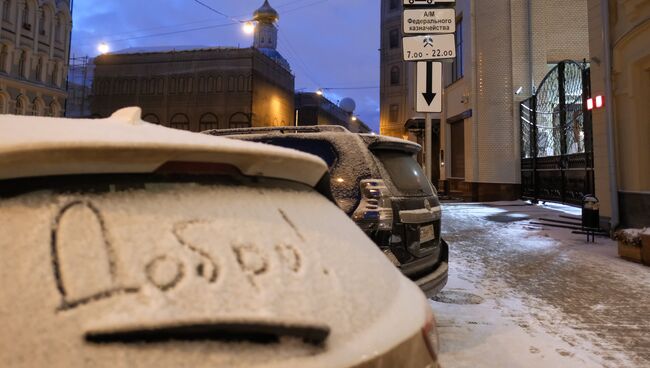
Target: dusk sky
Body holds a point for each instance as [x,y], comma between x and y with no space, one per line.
[329,43]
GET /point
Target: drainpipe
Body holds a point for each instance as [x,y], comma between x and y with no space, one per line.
[611,141]
[531,70]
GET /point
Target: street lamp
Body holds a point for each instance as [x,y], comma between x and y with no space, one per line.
[249,27]
[319,92]
[354,118]
[103,48]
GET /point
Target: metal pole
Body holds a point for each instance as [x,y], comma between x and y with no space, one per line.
[428,132]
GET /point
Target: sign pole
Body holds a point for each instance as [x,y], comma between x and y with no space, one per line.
[428,132]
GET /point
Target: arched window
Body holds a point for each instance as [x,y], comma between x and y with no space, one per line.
[3,104]
[241,83]
[151,118]
[211,84]
[26,22]
[239,120]
[152,86]
[6,10]
[55,75]
[219,84]
[394,76]
[202,85]
[4,58]
[22,64]
[55,109]
[144,86]
[231,83]
[57,30]
[38,107]
[180,121]
[39,70]
[21,105]
[42,23]
[208,121]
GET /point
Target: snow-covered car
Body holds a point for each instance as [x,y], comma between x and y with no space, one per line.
[378,182]
[127,244]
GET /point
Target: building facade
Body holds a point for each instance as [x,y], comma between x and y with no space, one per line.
[620,71]
[34,53]
[314,109]
[505,49]
[198,89]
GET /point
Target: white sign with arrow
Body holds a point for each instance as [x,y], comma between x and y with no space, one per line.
[429,87]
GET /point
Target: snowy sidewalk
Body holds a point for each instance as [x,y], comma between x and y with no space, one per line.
[522,295]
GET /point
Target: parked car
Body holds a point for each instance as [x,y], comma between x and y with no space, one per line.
[127,244]
[377,181]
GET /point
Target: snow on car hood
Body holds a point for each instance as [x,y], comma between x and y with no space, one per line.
[73,264]
[124,143]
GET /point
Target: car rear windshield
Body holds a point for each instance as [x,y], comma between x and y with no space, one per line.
[405,173]
[320,148]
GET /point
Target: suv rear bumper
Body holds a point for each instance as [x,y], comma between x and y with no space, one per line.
[432,283]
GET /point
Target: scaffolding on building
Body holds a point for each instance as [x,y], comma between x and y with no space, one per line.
[79,85]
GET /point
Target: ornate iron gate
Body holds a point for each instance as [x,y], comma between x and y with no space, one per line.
[556,137]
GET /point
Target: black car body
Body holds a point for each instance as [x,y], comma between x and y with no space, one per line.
[377,181]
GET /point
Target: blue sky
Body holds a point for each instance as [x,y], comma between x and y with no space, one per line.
[329,43]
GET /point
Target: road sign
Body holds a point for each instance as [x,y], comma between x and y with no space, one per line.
[429,47]
[428,2]
[429,21]
[429,87]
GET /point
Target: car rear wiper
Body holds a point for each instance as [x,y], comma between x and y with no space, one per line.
[261,332]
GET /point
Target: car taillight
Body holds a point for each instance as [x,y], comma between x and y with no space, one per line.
[375,210]
[430,333]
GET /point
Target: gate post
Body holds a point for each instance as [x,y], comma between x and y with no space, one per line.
[534,145]
[563,142]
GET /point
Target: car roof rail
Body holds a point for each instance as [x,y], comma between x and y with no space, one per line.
[280,130]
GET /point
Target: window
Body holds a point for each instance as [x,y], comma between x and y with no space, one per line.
[22,64]
[239,120]
[393,115]
[457,70]
[26,16]
[42,23]
[208,121]
[20,108]
[39,69]
[393,38]
[394,76]
[55,75]
[180,121]
[393,4]
[151,118]
[57,31]
[4,57]
[6,10]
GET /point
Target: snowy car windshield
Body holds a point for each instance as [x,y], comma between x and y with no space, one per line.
[405,172]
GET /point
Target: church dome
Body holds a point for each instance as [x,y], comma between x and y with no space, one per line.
[266,13]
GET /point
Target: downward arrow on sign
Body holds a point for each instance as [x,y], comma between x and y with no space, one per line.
[429,96]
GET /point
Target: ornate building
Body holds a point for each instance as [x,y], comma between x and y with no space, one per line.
[201,88]
[34,52]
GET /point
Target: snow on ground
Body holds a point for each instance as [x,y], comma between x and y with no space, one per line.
[523,295]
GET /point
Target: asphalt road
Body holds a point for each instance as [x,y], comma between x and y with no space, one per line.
[524,295]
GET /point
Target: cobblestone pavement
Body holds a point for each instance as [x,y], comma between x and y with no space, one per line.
[524,295]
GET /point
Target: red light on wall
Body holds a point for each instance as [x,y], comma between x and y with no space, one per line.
[590,104]
[600,101]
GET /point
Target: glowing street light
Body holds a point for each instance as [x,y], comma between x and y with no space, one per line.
[249,27]
[103,48]
[354,118]
[319,92]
